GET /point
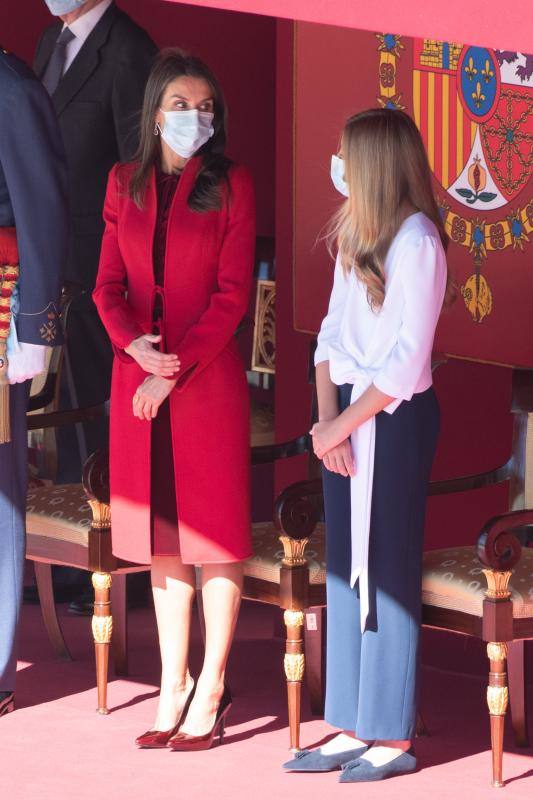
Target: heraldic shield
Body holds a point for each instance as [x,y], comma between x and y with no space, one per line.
[474,109]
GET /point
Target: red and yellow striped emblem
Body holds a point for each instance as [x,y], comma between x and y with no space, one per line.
[447,131]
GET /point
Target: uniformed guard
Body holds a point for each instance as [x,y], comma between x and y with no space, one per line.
[33,199]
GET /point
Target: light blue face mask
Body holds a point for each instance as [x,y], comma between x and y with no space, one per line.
[60,7]
[337,175]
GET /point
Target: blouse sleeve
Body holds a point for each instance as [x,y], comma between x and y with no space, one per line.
[423,276]
[329,330]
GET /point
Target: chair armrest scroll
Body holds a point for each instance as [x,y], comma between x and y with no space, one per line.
[95,477]
[497,546]
[295,514]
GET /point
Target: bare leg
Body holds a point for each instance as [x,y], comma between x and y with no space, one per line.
[221,593]
[173,585]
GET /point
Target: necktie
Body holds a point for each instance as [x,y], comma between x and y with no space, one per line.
[54,68]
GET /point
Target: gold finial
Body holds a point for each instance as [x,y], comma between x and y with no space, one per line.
[101,514]
[498,584]
[294,550]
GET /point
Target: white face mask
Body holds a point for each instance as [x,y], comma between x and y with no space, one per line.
[60,7]
[186,131]
[337,175]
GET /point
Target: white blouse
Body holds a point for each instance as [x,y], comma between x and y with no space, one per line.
[390,347]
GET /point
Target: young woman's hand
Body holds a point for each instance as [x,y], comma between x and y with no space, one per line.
[149,396]
[340,459]
[326,435]
[142,350]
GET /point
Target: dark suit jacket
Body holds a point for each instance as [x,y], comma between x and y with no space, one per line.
[33,196]
[98,102]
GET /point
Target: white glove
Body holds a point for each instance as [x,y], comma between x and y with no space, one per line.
[27,361]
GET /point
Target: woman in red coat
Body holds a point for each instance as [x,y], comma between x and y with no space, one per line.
[173,284]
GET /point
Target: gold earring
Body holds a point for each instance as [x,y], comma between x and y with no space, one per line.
[156,129]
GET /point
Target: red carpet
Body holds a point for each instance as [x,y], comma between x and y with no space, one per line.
[55,746]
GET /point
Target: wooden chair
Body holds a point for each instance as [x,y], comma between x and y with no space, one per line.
[69,525]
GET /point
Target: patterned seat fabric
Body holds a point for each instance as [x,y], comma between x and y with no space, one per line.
[453,578]
[265,564]
[59,512]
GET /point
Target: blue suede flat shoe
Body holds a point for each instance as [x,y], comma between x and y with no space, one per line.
[359,770]
[315,761]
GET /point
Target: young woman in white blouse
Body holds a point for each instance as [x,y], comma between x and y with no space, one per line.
[376,436]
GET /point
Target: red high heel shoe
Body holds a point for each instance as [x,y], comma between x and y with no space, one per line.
[155,739]
[184,741]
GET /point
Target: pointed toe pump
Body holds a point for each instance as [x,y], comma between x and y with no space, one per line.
[184,741]
[316,761]
[158,739]
[362,771]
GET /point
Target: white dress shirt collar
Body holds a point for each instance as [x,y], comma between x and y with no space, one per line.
[83,26]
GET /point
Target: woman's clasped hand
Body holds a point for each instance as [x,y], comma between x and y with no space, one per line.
[149,396]
[157,386]
[142,350]
[332,447]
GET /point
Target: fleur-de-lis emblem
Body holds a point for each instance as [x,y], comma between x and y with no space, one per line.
[478,97]
[470,69]
[487,72]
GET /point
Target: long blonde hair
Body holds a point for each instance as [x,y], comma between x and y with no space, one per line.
[386,168]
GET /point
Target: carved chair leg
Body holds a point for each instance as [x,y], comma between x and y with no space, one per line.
[120,624]
[314,636]
[497,699]
[102,626]
[294,671]
[45,590]
[516,667]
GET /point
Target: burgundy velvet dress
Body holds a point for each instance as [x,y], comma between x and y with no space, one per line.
[164,512]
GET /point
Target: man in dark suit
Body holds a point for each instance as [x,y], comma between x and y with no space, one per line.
[95,64]
[33,198]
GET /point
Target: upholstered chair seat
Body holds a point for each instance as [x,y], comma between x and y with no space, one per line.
[453,579]
[59,512]
[265,564]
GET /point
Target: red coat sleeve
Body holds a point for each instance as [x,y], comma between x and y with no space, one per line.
[206,339]
[111,281]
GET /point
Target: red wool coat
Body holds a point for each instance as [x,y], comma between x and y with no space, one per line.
[208,277]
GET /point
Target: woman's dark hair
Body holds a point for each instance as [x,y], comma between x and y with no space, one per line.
[206,194]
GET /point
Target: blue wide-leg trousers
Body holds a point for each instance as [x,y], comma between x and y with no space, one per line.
[372,677]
